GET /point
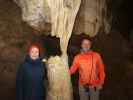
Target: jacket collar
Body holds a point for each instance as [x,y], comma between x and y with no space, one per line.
[29,60]
[88,52]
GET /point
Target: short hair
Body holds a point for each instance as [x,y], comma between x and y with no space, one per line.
[89,39]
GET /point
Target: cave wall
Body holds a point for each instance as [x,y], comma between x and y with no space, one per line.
[122,17]
[15,36]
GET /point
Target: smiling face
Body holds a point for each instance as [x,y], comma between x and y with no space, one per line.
[34,53]
[86,45]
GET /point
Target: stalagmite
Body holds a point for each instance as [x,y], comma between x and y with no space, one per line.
[59,86]
[61,14]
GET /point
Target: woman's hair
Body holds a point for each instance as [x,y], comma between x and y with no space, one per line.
[36,45]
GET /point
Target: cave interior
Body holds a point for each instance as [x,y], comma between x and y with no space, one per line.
[116,48]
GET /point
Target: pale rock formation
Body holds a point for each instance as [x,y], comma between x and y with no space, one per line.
[59,84]
[92,17]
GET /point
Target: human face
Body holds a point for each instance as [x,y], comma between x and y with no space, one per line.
[86,45]
[34,53]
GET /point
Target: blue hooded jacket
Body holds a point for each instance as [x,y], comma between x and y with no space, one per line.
[29,80]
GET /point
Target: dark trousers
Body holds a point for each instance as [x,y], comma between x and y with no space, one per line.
[90,94]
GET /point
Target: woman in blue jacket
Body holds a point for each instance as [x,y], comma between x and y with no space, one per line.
[30,76]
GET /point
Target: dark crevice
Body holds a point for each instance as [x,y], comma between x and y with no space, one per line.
[122,17]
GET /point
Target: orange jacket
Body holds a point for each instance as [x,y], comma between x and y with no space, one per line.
[91,69]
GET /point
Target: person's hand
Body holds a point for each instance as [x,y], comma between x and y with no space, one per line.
[99,87]
[69,72]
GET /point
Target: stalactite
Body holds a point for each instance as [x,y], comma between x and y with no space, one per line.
[92,18]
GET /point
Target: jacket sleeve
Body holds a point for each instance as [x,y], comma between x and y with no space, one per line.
[74,66]
[101,71]
[19,83]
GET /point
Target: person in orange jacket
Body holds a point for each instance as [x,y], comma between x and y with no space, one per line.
[91,72]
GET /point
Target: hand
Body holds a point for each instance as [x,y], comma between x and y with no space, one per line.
[99,87]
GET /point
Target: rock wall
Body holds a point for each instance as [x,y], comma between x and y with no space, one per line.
[15,36]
